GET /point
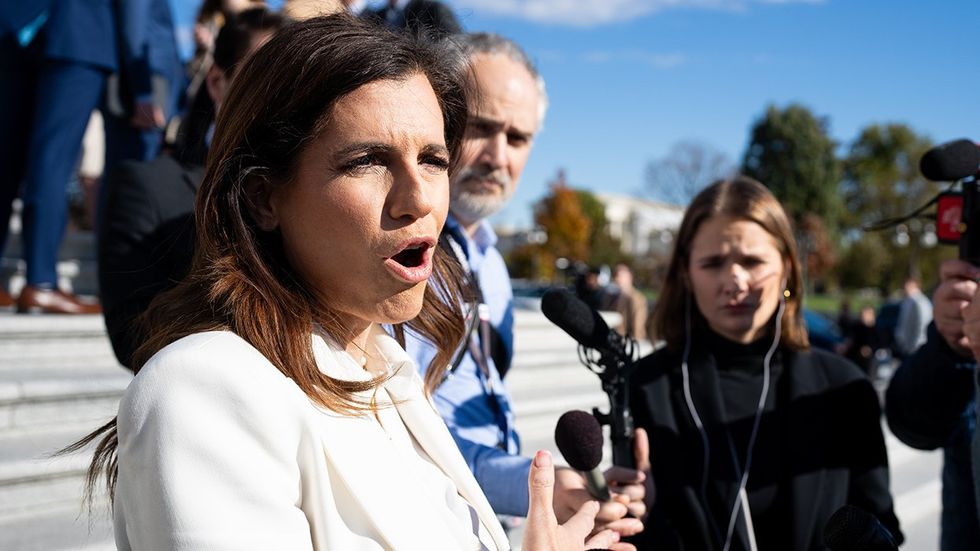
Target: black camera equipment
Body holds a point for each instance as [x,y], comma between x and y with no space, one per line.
[958,207]
[607,354]
[852,529]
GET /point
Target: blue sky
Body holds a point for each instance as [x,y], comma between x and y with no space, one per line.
[629,78]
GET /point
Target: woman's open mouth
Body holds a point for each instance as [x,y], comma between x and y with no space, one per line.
[413,263]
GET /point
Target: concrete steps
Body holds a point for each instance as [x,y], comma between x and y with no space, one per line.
[58,381]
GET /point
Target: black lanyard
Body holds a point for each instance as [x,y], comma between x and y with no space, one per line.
[477,341]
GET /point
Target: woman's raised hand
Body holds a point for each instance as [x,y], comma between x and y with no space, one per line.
[543,533]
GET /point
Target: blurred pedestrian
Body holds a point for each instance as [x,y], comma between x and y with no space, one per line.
[630,303]
[914,316]
[588,289]
[55,57]
[861,340]
[147,236]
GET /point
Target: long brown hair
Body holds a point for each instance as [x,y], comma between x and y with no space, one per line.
[744,198]
[240,280]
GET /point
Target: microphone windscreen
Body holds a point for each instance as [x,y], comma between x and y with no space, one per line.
[575,317]
[950,161]
[853,529]
[579,439]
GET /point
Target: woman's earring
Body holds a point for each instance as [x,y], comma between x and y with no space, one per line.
[786,293]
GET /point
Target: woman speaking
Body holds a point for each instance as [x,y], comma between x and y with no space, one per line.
[755,439]
[271,410]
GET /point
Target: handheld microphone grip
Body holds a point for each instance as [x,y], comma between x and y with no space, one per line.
[586,326]
[579,439]
[596,483]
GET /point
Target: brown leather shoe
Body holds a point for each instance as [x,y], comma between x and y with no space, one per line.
[35,300]
[6,301]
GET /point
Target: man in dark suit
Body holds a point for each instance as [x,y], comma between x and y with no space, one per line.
[150,84]
[56,57]
[146,237]
[54,60]
[417,16]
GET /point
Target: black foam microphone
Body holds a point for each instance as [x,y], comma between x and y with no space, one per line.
[578,319]
[579,439]
[951,161]
[853,529]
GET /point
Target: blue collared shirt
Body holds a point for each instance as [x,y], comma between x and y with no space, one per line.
[462,399]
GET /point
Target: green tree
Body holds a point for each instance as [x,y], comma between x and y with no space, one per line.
[603,247]
[882,181]
[792,154]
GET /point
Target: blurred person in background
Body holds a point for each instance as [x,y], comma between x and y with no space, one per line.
[211,16]
[146,239]
[630,303]
[55,57]
[757,438]
[390,14]
[914,315]
[588,288]
[430,17]
[148,89]
[931,401]
[861,340]
[61,59]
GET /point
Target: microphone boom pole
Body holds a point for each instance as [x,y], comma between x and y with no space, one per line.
[607,354]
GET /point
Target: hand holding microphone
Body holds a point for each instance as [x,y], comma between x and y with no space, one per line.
[579,438]
[543,532]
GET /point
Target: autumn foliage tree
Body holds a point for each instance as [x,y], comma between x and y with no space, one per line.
[604,248]
[560,214]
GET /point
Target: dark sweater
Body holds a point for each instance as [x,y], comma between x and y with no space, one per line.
[819,446]
[740,380]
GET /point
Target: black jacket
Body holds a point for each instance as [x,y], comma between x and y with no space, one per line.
[929,393]
[929,405]
[825,428]
[146,240]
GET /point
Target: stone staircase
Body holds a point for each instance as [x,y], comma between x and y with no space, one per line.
[58,381]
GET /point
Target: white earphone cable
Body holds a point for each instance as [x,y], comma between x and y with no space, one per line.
[741,497]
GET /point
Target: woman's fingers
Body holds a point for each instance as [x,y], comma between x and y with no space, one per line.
[541,486]
[580,525]
[602,540]
[641,450]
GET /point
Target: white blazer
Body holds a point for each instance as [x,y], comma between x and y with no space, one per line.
[218,450]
